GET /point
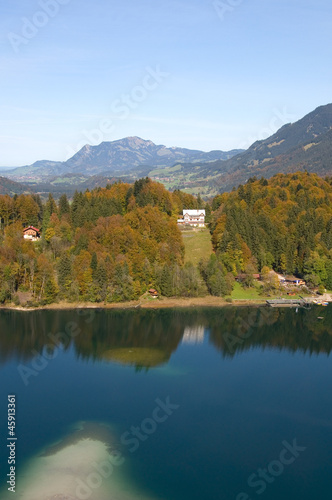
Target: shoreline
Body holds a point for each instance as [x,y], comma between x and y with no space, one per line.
[162,303]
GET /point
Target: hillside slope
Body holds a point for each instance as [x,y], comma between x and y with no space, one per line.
[284,222]
[10,187]
[305,144]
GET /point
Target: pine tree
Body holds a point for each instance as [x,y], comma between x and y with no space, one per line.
[166,282]
[94,263]
[50,208]
[51,291]
[64,272]
[100,281]
[64,207]
[76,209]
[208,214]
[200,202]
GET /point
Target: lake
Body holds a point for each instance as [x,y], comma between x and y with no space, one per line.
[231,403]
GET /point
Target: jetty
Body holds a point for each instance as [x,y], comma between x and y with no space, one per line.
[288,303]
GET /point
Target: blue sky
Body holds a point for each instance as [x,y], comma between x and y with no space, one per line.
[191,73]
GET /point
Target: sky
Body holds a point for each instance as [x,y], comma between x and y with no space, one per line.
[200,74]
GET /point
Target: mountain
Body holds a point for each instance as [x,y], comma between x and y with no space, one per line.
[37,171]
[303,145]
[117,158]
[10,187]
[125,154]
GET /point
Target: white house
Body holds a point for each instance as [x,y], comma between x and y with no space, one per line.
[193,218]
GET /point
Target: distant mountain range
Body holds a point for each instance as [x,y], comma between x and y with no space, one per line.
[303,145]
[117,158]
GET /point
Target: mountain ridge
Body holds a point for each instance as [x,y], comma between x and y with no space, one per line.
[303,145]
[118,157]
[287,150]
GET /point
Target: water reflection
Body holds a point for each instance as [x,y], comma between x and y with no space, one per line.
[146,338]
[193,334]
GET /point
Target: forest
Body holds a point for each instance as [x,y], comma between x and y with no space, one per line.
[109,244]
[284,224]
[112,244]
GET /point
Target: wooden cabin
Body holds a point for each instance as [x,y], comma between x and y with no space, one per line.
[31,233]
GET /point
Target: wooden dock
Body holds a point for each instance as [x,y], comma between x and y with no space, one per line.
[288,303]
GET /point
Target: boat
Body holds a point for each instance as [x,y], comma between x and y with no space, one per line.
[325,304]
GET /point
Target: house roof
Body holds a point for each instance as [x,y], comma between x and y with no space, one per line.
[31,227]
[194,212]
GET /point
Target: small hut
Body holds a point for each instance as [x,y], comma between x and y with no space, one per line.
[153,293]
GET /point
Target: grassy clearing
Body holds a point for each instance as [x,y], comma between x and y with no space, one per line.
[197,245]
[240,293]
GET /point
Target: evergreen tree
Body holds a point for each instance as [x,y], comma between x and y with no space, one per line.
[94,263]
[64,272]
[100,282]
[208,214]
[76,210]
[217,284]
[165,285]
[200,202]
[51,291]
[64,207]
[50,208]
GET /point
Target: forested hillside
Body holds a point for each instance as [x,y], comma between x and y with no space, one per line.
[284,223]
[10,187]
[110,244]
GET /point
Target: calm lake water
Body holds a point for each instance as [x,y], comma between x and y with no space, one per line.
[214,404]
